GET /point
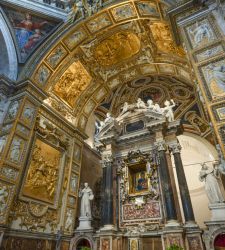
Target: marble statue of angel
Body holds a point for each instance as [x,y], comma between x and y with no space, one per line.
[210,176]
[140,104]
[168,110]
[157,109]
[150,104]
[108,118]
[125,108]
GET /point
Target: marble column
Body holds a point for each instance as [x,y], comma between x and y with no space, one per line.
[184,192]
[171,214]
[107,213]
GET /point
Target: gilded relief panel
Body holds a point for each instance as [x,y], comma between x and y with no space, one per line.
[42,177]
[119,46]
[214,75]
[163,38]
[72,83]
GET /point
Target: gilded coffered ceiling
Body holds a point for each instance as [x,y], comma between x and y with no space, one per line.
[118,45]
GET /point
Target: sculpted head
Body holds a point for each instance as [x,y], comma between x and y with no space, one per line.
[167,103]
[150,102]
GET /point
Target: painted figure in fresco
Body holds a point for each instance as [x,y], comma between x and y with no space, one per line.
[217,74]
[16,149]
[73,184]
[13,110]
[210,176]
[201,33]
[28,32]
[87,195]
[147,9]
[168,110]
[2,142]
[142,183]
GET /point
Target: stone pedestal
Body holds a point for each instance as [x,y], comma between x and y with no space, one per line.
[218,211]
[84,224]
[193,239]
[173,235]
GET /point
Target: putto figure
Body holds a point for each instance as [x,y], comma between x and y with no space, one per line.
[168,110]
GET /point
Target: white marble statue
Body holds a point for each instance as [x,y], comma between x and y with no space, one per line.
[168,110]
[108,118]
[87,195]
[124,109]
[3,195]
[157,108]
[140,104]
[210,176]
[150,104]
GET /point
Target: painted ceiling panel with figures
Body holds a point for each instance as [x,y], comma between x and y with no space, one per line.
[29,29]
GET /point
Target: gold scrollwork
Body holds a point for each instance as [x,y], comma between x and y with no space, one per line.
[119,46]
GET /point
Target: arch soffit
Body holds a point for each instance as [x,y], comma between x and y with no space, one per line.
[10,47]
[79,51]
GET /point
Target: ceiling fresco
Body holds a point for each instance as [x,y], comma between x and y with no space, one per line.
[125,51]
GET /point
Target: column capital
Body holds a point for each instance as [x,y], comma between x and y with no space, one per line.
[107,160]
[161,145]
[175,147]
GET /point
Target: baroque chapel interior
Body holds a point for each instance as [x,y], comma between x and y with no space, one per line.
[112,125]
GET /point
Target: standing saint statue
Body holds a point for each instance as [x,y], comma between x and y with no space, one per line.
[87,195]
[210,176]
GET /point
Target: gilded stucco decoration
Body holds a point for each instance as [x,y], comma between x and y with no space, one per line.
[116,48]
[42,176]
[163,38]
[72,83]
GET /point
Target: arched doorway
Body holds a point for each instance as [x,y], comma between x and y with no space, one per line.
[83,244]
[219,242]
